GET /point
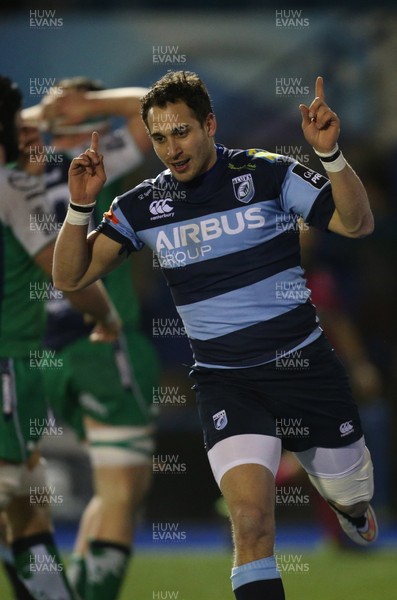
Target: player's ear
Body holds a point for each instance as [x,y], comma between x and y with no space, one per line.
[210,125]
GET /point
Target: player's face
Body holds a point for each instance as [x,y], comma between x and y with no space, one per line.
[184,145]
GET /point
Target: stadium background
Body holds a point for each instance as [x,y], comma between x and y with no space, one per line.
[259,63]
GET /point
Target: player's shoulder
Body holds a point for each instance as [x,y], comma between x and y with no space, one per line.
[115,140]
[254,159]
[18,185]
[147,188]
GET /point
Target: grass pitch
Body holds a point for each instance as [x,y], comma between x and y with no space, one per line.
[321,575]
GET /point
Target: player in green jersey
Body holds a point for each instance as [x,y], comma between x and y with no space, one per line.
[25,266]
[105,393]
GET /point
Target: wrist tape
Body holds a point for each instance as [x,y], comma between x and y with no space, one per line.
[79,214]
[333,161]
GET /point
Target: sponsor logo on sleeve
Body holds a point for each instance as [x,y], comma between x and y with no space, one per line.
[315,179]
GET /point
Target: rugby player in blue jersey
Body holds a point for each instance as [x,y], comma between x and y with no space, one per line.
[224,226]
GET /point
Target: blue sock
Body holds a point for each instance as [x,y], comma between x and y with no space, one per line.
[258,580]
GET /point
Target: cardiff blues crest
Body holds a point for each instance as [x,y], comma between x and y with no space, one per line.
[220,420]
[243,187]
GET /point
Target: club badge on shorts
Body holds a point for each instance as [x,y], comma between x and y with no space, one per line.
[220,420]
[243,187]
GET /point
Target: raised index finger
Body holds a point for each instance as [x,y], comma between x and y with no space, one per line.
[320,88]
[94,141]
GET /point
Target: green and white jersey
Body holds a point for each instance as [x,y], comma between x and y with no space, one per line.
[121,156]
[24,231]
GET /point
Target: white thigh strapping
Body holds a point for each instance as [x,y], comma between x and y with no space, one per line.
[332,463]
[342,477]
[249,448]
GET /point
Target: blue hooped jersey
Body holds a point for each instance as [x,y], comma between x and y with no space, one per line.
[228,245]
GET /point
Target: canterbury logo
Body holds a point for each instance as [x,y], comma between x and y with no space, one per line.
[346,428]
[160,207]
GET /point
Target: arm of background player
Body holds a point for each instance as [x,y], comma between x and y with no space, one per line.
[93,301]
[75,107]
[321,126]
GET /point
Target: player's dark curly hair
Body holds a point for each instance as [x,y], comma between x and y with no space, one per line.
[178,86]
[10,104]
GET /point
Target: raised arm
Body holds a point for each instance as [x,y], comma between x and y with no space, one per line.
[321,127]
[79,260]
[76,106]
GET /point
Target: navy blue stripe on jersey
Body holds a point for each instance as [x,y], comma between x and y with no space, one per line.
[121,223]
[240,308]
[322,210]
[106,228]
[230,272]
[259,343]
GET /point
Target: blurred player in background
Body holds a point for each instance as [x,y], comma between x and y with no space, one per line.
[26,261]
[226,251]
[105,393]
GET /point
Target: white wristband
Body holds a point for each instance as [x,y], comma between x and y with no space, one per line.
[333,161]
[79,214]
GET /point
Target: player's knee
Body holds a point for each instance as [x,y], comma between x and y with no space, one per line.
[33,478]
[10,481]
[352,491]
[251,522]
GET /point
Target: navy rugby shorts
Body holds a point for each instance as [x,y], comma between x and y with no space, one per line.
[303,398]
